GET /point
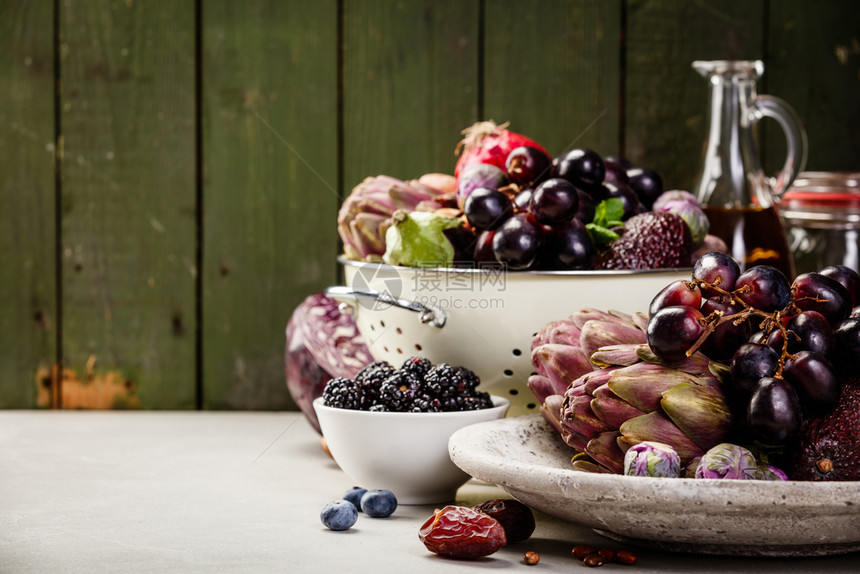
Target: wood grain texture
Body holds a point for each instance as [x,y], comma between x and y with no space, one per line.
[814,64]
[410,85]
[28,319]
[666,102]
[128,198]
[552,70]
[270,194]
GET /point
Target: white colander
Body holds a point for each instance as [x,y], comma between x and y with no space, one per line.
[482,318]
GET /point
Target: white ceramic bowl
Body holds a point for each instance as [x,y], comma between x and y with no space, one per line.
[406,453]
[526,458]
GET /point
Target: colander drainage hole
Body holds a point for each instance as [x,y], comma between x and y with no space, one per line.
[382,324]
[418,347]
[517,352]
[399,331]
[509,373]
[531,406]
[514,392]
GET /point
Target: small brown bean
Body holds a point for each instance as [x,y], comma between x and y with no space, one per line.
[531,558]
[581,551]
[607,553]
[626,557]
[594,559]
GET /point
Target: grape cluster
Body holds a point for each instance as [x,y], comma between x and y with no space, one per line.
[535,214]
[417,386]
[785,344]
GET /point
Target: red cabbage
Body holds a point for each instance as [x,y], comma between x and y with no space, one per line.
[322,343]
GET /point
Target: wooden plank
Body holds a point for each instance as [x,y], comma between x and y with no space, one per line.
[814,64]
[552,70]
[128,204]
[666,102]
[410,85]
[28,314]
[270,187]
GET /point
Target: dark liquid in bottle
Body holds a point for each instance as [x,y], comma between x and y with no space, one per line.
[755,236]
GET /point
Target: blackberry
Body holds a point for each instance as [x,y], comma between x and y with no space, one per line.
[370,379]
[418,366]
[342,393]
[399,390]
[478,401]
[470,379]
[426,404]
[444,381]
[378,408]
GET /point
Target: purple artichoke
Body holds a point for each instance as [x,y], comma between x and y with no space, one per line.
[728,460]
[650,458]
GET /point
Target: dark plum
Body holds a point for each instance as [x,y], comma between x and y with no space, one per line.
[814,380]
[726,338]
[484,248]
[582,167]
[763,287]
[626,195]
[679,292]
[817,292]
[716,268]
[813,333]
[522,199]
[646,183]
[846,345]
[571,247]
[527,165]
[554,201]
[518,241]
[585,213]
[487,208]
[849,279]
[672,331]
[774,413]
[750,363]
[615,173]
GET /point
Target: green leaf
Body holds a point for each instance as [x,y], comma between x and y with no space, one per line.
[609,212]
[600,235]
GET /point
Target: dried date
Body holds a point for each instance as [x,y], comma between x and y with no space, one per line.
[514,516]
[462,532]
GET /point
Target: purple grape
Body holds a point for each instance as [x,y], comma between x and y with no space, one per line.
[620,161]
[812,333]
[725,339]
[680,292]
[849,279]
[672,331]
[626,195]
[615,173]
[554,202]
[846,345]
[527,165]
[763,287]
[572,247]
[814,380]
[773,414]
[582,167]
[518,241]
[585,213]
[484,248]
[487,208]
[750,363]
[716,268]
[647,184]
[522,199]
[817,292]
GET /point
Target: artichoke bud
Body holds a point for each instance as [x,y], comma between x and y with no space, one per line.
[611,409]
[642,385]
[416,239]
[616,355]
[604,449]
[650,458]
[597,334]
[767,472]
[656,427]
[699,411]
[561,364]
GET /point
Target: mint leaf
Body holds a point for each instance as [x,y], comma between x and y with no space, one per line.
[600,235]
[608,213]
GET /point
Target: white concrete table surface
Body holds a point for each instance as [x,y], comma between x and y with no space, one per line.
[214,492]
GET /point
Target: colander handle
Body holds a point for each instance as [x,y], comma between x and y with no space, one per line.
[426,313]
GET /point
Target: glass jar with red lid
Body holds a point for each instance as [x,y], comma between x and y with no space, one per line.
[822,216]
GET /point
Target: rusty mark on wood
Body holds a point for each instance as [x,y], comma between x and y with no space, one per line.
[66,389]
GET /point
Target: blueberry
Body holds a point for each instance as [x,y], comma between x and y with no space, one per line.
[378,503]
[354,495]
[339,515]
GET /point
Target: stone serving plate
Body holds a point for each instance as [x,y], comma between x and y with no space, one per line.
[525,457]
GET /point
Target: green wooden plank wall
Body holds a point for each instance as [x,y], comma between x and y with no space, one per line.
[170,172]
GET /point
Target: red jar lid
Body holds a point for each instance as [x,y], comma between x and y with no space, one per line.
[833,190]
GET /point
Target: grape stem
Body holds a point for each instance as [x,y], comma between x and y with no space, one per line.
[769,321]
